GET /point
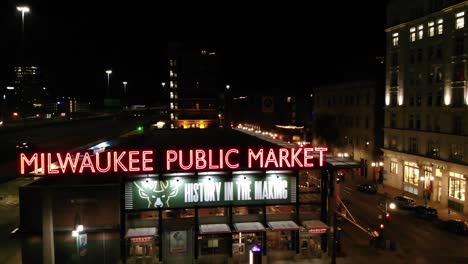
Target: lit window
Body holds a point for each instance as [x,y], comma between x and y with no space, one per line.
[172,116]
[172,95]
[420,32]
[440,26]
[171,84]
[288,99]
[431,30]
[394,167]
[412,34]
[457,186]
[171,73]
[172,105]
[460,21]
[395,39]
[171,62]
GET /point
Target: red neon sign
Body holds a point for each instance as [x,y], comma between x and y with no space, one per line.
[122,161]
[136,161]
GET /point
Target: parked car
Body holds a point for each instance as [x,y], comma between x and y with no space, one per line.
[456,226]
[25,146]
[426,212]
[367,187]
[404,202]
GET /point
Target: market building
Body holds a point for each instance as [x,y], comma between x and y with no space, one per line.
[176,196]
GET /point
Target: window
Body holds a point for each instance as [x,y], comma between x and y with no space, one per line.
[394,79]
[393,118]
[411,100]
[431,30]
[460,20]
[393,98]
[440,26]
[393,143]
[428,123]
[457,186]
[171,84]
[433,149]
[171,95]
[439,97]
[418,100]
[412,34]
[395,39]
[436,124]
[411,174]
[439,75]
[459,72]
[457,96]
[456,151]
[420,32]
[457,125]
[430,53]
[413,145]
[394,59]
[418,122]
[411,121]
[429,99]
[459,46]
[171,74]
[393,167]
[439,52]
[412,57]
[420,55]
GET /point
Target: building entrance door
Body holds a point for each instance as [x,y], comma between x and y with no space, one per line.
[178,246]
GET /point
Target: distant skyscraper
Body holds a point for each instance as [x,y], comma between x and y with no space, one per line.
[30,90]
[426,98]
[195,86]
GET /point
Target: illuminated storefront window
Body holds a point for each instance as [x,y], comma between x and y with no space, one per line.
[411,177]
[457,186]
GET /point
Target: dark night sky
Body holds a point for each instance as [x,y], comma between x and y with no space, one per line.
[269,45]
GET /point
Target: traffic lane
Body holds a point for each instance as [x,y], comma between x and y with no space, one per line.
[414,236]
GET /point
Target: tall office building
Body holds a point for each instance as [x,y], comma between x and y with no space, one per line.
[426,98]
[195,89]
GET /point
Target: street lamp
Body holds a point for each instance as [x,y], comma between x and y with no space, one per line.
[108,82]
[23,10]
[125,88]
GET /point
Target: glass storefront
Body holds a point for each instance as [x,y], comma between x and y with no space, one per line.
[457,186]
[411,178]
[143,250]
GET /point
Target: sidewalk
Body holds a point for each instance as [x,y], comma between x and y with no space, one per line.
[443,211]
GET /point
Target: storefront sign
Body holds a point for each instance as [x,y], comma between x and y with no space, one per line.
[318,230]
[210,191]
[149,161]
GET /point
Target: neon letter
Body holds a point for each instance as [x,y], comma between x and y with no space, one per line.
[23,159]
[49,165]
[210,161]
[117,162]
[294,157]
[200,163]
[86,162]
[68,160]
[101,170]
[255,157]
[271,158]
[171,156]
[321,150]
[284,154]
[308,156]
[226,159]
[132,160]
[181,161]
[146,160]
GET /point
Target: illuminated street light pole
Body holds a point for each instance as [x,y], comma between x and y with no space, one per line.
[23,10]
[125,93]
[108,82]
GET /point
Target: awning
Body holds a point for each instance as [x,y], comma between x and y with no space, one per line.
[315,226]
[283,225]
[141,232]
[249,227]
[214,229]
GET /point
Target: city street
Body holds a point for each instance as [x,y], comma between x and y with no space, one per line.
[417,240]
